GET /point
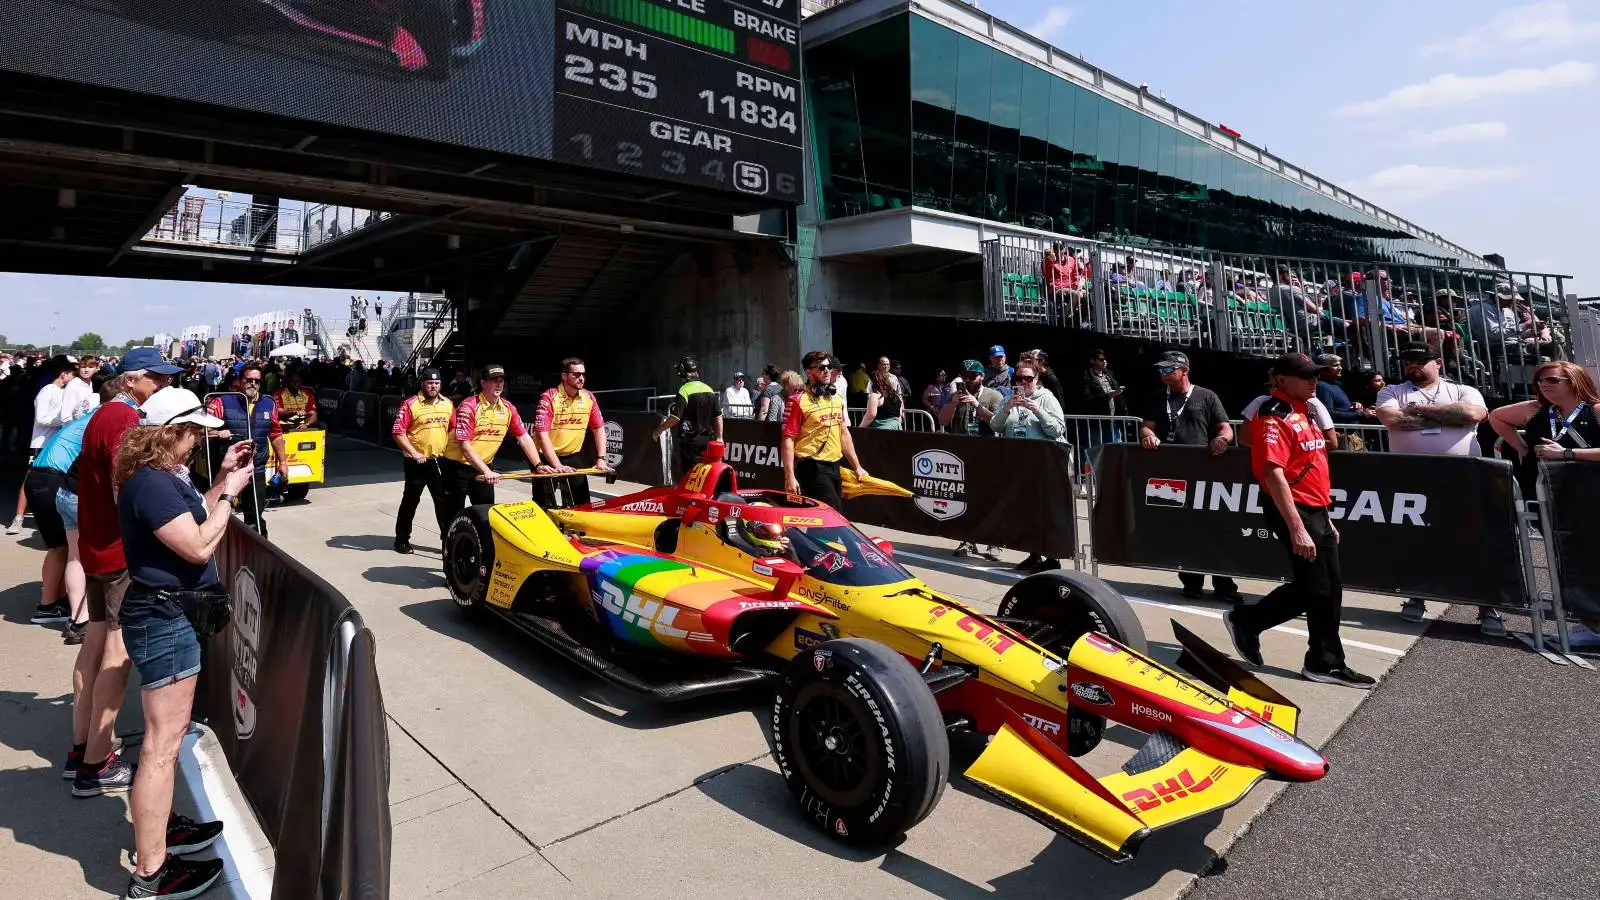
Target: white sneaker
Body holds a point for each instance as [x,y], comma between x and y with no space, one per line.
[15,527]
[1413,610]
[1582,637]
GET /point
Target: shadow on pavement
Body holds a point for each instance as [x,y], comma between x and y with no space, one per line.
[17,603]
[363,542]
[576,686]
[36,806]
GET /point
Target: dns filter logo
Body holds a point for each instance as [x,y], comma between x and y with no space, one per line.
[939,480]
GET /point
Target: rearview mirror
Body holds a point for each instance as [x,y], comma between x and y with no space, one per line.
[777,567]
[884,545]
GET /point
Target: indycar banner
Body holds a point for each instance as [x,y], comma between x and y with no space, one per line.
[1569,494]
[262,693]
[1010,493]
[1432,527]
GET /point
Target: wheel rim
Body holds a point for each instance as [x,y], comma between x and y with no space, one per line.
[465,568]
[836,745]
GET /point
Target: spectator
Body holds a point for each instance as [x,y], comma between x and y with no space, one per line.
[1032,412]
[253,419]
[1365,385]
[1039,361]
[937,393]
[1297,513]
[171,533]
[1102,394]
[1333,397]
[885,401]
[1187,414]
[736,399]
[793,383]
[997,375]
[460,388]
[1427,415]
[79,397]
[1561,425]
[1300,314]
[859,382]
[770,400]
[50,413]
[971,410]
[895,370]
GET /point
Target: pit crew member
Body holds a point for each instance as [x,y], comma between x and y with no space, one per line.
[482,422]
[297,405]
[696,414]
[814,434]
[1289,455]
[565,412]
[422,432]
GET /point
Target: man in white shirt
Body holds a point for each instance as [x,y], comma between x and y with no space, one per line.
[79,398]
[736,399]
[48,417]
[1426,414]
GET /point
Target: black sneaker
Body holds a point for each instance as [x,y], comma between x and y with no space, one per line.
[69,771]
[1339,675]
[177,879]
[115,777]
[51,614]
[1248,646]
[1045,564]
[72,635]
[1232,596]
[964,549]
[186,836]
[403,546]
[1027,565]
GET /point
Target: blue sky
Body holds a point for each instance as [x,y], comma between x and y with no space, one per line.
[1472,118]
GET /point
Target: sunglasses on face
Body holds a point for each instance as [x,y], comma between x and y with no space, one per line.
[251,380]
[825,368]
[1166,370]
[578,374]
[1553,380]
[1024,379]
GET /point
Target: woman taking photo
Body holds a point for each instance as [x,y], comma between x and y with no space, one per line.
[170,532]
[885,403]
[1560,425]
[1032,412]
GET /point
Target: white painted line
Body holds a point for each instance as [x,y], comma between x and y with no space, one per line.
[246,871]
[1143,601]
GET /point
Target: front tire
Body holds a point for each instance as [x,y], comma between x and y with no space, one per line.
[859,740]
[1058,607]
[469,557]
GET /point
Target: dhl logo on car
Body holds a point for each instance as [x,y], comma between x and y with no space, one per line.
[1171,790]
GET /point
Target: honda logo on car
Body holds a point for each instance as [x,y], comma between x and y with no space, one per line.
[939,480]
[1399,508]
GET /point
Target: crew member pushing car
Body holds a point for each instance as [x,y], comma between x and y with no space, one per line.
[565,413]
[696,414]
[482,422]
[422,432]
[1289,455]
[815,437]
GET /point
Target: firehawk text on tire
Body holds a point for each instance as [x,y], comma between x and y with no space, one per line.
[1057,607]
[859,739]
[469,557]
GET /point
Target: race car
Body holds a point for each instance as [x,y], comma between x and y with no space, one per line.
[427,37]
[703,588]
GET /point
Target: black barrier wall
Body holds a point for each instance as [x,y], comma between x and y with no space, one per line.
[1012,493]
[353,864]
[1434,527]
[630,449]
[262,694]
[1569,494]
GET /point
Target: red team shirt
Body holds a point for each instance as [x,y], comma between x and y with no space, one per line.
[99,537]
[1294,444]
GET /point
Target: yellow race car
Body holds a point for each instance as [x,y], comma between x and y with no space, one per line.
[703,588]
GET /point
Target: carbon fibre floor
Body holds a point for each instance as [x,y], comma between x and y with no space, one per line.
[1468,774]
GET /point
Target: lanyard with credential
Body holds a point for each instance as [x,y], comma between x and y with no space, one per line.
[1556,435]
[1172,417]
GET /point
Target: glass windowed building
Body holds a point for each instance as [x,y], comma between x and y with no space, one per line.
[936,106]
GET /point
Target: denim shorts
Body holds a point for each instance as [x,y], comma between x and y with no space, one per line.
[67,507]
[165,651]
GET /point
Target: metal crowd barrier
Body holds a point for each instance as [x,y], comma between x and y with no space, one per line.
[1352,436]
[1087,433]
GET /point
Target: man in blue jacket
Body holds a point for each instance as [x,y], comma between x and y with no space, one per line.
[252,417]
[1333,396]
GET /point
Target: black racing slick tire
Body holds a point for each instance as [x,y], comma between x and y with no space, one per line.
[296,492]
[1055,609]
[859,740]
[469,558]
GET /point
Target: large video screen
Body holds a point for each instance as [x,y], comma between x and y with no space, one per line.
[699,93]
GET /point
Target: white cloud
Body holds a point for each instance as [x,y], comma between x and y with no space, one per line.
[1471,132]
[1053,24]
[1458,90]
[157,309]
[1531,28]
[1415,182]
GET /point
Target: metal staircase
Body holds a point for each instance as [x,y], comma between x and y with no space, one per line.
[584,283]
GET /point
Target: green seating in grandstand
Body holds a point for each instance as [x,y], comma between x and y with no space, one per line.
[1022,296]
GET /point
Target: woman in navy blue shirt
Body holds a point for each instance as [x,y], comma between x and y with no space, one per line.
[170,533]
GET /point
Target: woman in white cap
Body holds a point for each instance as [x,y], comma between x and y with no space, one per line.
[170,534]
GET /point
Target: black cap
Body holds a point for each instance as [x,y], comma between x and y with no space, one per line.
[494,372]
[430,374]
[1296,365]
[1173,358]
[1416,350]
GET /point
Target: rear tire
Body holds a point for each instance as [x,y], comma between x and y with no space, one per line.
[296,492]
[1073,604]
[859,740]
[469,557]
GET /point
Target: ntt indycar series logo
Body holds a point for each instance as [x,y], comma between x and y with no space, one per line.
[245,631]
[1380,507]
[939,481]
[614,436]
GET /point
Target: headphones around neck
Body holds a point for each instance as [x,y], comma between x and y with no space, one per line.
[823,390]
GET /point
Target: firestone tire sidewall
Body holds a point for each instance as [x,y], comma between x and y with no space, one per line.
[912,749]
[471,527]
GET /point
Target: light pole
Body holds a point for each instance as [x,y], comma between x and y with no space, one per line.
[55,319]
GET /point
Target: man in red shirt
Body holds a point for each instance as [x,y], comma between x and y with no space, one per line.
[1289,456]
[101,672]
